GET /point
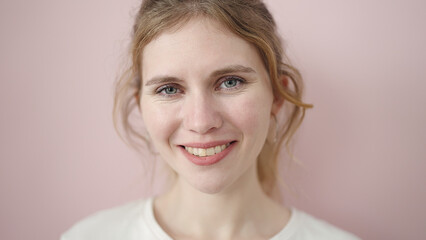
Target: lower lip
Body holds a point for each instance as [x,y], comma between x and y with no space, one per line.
[207,160]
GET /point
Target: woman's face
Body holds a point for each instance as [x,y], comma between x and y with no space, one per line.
[206,102]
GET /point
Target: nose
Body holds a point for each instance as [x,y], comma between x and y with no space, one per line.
[201,113]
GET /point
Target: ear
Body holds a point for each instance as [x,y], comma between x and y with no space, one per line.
[136,95]
[278,99]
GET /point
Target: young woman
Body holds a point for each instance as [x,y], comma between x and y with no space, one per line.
[210,82]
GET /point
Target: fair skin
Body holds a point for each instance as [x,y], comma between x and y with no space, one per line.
[205,88]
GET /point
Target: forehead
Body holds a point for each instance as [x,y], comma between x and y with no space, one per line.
[200,45]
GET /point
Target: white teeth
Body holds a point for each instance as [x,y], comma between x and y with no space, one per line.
[189,149]
[210,151]
[202,152]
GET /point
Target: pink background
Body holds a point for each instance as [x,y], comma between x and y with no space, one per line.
[363,145]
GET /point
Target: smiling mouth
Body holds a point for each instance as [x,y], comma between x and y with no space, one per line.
[204,152]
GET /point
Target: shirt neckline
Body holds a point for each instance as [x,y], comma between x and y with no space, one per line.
[158,231]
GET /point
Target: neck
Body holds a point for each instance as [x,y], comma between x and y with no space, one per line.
[238,210]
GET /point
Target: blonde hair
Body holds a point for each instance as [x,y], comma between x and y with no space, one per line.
[250,20]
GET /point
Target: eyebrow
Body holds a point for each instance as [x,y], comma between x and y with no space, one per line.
[232,69]
[216,73]
[162,80]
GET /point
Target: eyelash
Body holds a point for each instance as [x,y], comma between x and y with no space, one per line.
[240,81]
[161,90]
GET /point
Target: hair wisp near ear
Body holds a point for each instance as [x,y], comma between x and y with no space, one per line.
[273,130]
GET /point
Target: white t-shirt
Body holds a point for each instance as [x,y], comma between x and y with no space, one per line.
[136,221]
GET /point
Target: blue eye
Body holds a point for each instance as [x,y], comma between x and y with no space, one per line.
[231,82]
[168,90]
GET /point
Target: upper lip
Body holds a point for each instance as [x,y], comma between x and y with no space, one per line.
[206,144]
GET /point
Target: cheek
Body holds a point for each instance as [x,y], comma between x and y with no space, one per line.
[158,122]
[251,115]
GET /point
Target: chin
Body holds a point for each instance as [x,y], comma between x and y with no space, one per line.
[209,184]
